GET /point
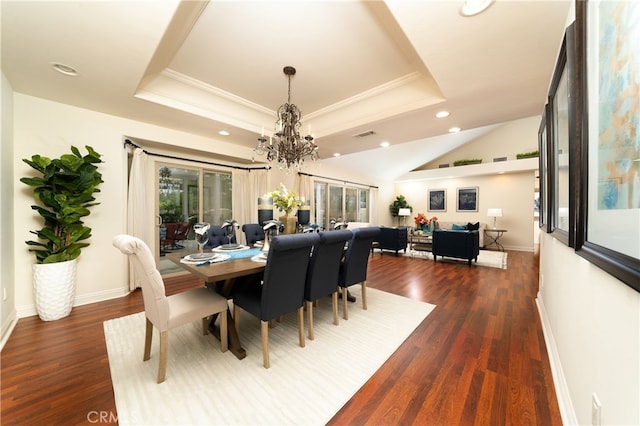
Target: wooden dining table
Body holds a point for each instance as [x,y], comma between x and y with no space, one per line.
[221,277]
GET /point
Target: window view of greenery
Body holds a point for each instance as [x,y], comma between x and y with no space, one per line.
[174,187]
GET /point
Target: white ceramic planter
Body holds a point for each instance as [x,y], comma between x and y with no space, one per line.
[54,289]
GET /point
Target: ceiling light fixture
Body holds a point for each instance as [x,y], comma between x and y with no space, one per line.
[223,133]
[286,146]
[336,154]
[454,130]
[64,69]
[474,7]
[385,144]
[442,114]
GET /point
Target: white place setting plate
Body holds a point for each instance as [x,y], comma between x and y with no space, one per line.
[204,258]
[223,248]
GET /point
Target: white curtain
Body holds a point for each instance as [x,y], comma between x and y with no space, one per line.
[248,185]
[306,191]
[138,211]
[373,206]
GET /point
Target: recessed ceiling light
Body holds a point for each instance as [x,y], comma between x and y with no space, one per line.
[223,133]
[442,114]
[64,69]
[454,130]
[385,144]
[336,154]
[474,7]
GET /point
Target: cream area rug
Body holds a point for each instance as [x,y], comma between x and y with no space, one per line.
[303,386]
[489,258]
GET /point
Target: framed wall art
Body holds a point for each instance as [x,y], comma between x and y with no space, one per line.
[437,200]
[543,148]
[467,199]
[608,229]
[561,133]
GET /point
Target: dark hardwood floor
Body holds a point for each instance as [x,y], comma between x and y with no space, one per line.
[478,358]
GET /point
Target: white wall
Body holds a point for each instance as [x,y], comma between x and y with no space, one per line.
[592,328]
[7,298]
[506,140]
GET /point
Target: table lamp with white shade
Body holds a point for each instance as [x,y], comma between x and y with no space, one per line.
[494,213]
[404,213]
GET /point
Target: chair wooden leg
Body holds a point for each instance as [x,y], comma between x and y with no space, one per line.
[301,326]
[364,295]
[164,355]
[205,326]
[264,325]
[310,319]
[147,341]
[224,335]
[345,295]
[334,304]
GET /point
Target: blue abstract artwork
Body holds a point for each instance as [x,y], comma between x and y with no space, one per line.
[618,164]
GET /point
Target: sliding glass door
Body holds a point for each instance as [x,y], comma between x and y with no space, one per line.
[185,196]
[340,203]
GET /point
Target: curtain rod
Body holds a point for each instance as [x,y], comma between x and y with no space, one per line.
[338,180]
[128,142]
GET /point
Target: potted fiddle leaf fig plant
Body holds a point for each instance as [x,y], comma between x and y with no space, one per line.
[63,191]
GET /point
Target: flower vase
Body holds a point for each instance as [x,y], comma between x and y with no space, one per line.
[289,222]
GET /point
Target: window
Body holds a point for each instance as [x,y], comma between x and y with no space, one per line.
[340,202]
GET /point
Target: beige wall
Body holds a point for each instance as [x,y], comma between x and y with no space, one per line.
[513,192]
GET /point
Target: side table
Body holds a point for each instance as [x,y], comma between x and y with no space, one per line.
[494,235]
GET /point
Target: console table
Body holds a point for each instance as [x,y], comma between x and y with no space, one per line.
[495,235]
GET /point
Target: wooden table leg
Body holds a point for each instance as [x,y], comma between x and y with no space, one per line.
[224,288]
[233,339]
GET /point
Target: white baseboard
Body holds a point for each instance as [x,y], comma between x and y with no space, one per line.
[85,299]
[567,411]
[7,328]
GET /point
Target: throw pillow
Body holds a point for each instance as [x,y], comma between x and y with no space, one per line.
[473,226]
[459,227]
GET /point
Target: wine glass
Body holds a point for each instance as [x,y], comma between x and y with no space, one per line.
[201,230]
[229,228]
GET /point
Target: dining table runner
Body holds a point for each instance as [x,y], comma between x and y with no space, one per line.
[240,254]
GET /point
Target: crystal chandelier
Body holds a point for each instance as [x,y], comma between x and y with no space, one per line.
[286,146]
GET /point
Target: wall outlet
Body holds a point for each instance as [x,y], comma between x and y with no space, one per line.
[596,410]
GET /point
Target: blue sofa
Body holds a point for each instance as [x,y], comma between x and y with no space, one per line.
[458,244]
[394,239]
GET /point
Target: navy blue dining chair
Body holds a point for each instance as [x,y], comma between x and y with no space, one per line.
[253,232]
[353,269]
[322,273]
[282,287]
[217,237]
